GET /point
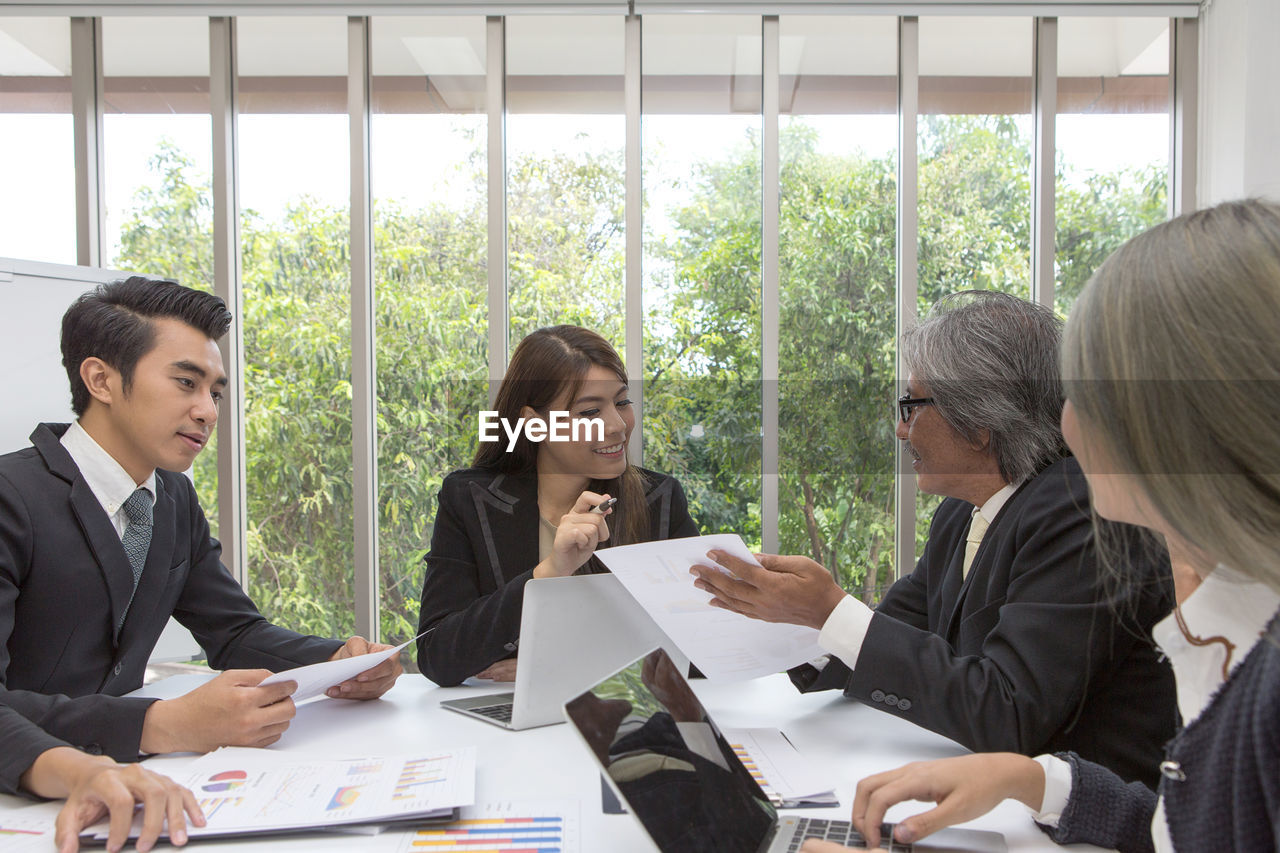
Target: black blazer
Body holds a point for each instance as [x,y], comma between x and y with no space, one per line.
[1029,653]
[484,548]
[65,580]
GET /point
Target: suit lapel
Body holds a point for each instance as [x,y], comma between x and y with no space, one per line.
[107,549]
[155,574]
[508,511]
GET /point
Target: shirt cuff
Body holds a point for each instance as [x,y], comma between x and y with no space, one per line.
[845,629]
[1057,790]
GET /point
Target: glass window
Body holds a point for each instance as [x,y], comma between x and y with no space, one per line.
[157,144]
[37,152]
[1112,134]
[839,136]
[702,242]
[975,134]
[294,187]
[566,134]
[430,207]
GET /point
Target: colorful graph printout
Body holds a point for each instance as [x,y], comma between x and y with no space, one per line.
[416,774]
[503,828]
[343,797]
[227,780]
[258,790]
[212,805]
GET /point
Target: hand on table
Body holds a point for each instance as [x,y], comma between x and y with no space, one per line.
[795,590]
[95,786]
[113,789]
[229,710]
[579,532]
[369,684]
[503,670]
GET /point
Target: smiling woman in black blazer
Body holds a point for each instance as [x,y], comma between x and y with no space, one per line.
[527,512]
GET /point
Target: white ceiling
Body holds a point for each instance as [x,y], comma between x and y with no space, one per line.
[593,45]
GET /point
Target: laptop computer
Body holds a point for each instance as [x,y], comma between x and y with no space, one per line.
[574,631]
[667,760]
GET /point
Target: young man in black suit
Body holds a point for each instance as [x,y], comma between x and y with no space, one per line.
[1004,637]
[101,542]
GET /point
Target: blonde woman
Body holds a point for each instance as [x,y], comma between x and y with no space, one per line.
[1172,365]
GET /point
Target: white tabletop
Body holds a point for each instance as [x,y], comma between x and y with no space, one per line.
[844,739]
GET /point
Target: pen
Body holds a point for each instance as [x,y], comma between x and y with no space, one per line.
[604,506]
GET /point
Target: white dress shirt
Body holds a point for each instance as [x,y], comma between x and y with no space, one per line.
[109,482]
[1226,604]
[846,628]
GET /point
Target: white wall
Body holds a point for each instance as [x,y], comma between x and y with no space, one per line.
[1239,122]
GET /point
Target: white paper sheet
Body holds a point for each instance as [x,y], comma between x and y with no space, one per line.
[777,766]
[256,790]
[722,644]
[314,679]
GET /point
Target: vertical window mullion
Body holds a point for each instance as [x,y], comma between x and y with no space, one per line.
[634,223]
[86,109]
[1044,108]
[223,94]
[364,429]
[907,257]
[1184,82]
[769,293]
[496,103]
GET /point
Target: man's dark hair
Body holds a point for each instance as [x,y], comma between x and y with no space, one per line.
[113,322]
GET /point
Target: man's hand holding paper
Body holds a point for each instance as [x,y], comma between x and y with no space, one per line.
[773,588]
[720,642]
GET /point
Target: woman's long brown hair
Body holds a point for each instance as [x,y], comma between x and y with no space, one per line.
[548,364]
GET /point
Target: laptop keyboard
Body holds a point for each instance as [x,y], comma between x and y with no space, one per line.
[842,832]
[501,713]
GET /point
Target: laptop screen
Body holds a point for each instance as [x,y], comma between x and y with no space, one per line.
[670,762]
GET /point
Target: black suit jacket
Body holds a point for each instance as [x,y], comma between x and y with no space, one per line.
[1029,653]
[484,548]
[65,581]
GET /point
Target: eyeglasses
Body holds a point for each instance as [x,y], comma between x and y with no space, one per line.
[908,404]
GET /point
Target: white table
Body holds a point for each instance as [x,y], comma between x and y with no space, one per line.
[847,740]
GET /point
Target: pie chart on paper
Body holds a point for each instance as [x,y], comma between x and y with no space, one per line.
[227,780]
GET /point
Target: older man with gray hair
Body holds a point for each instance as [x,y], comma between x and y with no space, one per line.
[1004,637]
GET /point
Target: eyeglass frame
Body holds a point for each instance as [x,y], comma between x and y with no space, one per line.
[908,404]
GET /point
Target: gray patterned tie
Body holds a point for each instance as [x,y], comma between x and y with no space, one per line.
[137,536]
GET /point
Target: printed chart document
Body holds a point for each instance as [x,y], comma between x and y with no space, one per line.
[29,830]
[314,679]
[245,791]
[788,780]
[527,827]
[722,644]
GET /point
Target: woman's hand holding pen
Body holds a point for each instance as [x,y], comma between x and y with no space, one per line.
[579,532]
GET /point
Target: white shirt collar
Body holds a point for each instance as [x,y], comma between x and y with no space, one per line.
[1226,604]
[996,502]
[108,481]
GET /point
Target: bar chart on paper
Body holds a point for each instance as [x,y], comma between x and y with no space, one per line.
[527,827]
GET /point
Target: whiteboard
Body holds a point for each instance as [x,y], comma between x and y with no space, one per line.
[33,298]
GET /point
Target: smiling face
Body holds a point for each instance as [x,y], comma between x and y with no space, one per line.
[167,414]
[600,395]
[944,461]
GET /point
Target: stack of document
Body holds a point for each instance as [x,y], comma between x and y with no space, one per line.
[251,791]
[786,778]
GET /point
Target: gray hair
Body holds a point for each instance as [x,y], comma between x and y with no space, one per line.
[990,361]
[1172,363]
